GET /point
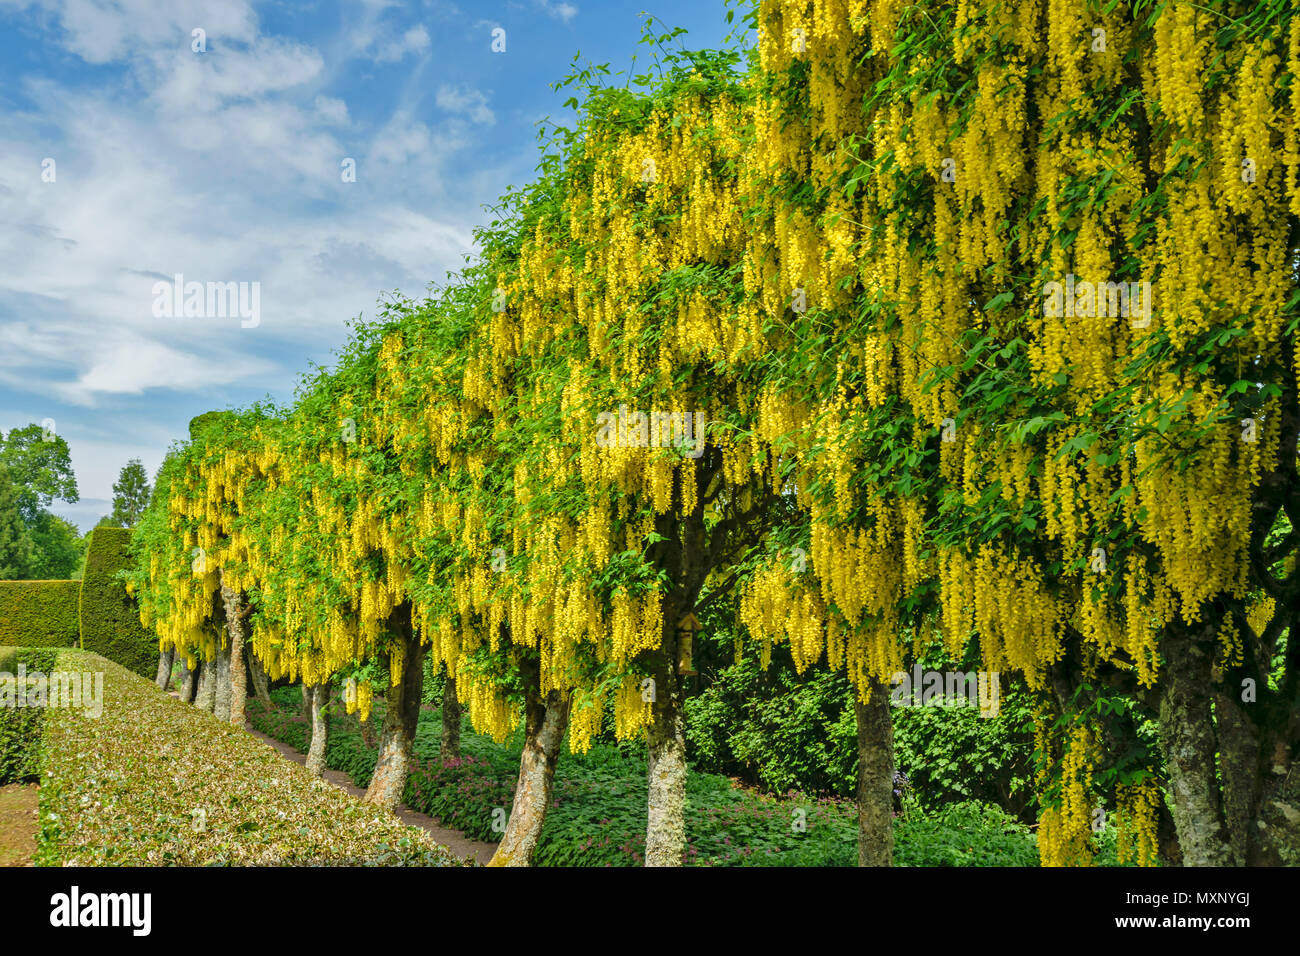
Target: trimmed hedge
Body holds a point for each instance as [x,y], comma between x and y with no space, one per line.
[39,613]
[20,727]
[154,782]
[110,623]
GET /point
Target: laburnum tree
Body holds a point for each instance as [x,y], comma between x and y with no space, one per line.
[347,582]
[567,404]
[191,574]
[643,351]
[1075,305]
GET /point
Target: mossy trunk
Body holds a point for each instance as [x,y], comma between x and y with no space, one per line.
[397,740]
[221,680]
[319,728]
[1261,791]
[188,680]
[665,838]
[236,624]
[165,660]
[450,749]
[261,682]
[544,725]
[875,777]
[205,695]
[1187,739]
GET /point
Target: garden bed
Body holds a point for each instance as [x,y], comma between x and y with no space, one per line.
[598,814]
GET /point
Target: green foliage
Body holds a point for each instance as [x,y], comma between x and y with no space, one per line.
[597,815]
[200,422]
[39,464]
[776,729]
[131,494]
[39,613]
[58,547]
[781,731]
[951,754]
[16,548]
[20,727]
[964,834]
[110,623]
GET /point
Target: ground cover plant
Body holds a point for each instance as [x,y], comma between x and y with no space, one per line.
[597,815]
[153,781]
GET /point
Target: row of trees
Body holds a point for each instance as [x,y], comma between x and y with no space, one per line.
[970,326]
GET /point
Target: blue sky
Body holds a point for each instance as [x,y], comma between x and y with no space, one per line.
[227,166]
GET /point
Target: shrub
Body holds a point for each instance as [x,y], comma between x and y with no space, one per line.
[597,815]
[782,731]
[951,754]
[20,727]
[125,790]
[776,729]
[20,734]
[110,623]
[39,613]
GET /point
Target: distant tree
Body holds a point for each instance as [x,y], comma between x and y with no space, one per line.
[59,548]
[40,468]
[130,494]
[16,551]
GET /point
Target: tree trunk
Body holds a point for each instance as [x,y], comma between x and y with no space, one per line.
[205,697]
[1261,800]
[368,735]
[187,682]
[397,740]
[261,683]
[1187,740]
[236,624]
[875,777]
[544,725]
[451,722]
[306,699]
[665,838]
[319,728]
[164,677]
[221,679]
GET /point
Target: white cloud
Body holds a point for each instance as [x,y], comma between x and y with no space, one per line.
[185,81]
[331,110]
[223,166]
[564,12]
[133,365]
[465,102]
[414,40]
[102,31]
